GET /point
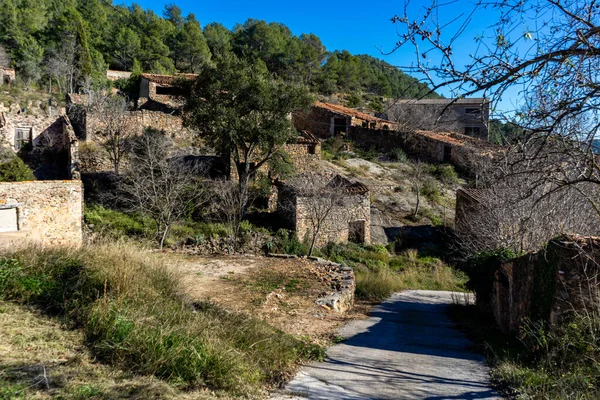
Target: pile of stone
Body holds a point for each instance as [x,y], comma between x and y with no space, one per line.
[339,277]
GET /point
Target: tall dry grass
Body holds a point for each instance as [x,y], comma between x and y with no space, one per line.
[131,309]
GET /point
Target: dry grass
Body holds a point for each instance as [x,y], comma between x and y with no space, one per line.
[129,305]
[40,359]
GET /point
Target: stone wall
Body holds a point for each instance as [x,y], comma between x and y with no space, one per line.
[7,76]
[550,284]
[113,75]
[351,208]
[46,213]
[46,126]
[303,155]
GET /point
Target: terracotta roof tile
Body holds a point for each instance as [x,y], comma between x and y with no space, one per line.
[168,79]
[348,111]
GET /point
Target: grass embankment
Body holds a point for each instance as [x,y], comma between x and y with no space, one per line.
[132,314]
[539,363]
[379,273]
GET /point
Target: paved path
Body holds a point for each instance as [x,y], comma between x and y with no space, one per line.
[407,349]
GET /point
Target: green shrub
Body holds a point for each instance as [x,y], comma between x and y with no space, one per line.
[446,173]
[15,170]
[431,190]
[398,155]
[287,242]
[118,224]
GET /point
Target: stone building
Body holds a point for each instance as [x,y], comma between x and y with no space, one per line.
[520,219]
[465,152]
[327,120]
[42,136]
[465,116]
[7,76]
[550,284]
[159,92]
[46,213]
[113,75]
[338,208]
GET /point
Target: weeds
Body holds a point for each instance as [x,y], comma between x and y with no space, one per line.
[129,306]
[379,274]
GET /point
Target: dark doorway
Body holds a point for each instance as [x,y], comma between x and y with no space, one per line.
[339,126]
[356,231]
[447,154]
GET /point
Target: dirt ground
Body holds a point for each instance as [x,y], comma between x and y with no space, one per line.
[281,292]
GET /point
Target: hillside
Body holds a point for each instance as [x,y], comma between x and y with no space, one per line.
[69,45]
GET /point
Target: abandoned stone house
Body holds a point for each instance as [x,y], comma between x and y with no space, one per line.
[43,136]
[465,116]
[159,92]
[327,120]
[341,208]
[469,154]
[492,218]
[45,213]
[113,75]
[7,76]
[551,284]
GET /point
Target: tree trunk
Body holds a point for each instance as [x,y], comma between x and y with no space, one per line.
[418,201]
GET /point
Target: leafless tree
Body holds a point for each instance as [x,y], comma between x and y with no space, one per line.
[412,117]
[62,65]
[229,205]
[113,125]
[548,50]
[324,204]
[163,188]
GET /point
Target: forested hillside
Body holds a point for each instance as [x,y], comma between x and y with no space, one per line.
[69,43]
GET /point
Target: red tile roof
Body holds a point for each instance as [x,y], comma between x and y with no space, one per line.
[168,79]
[348,111]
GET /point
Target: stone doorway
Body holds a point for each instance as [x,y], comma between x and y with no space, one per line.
[357,231]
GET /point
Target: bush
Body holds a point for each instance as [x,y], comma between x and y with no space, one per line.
[117,224]
[128,304]
[431,190]
[397,155]
[15,170]
[446,174]
[287,242]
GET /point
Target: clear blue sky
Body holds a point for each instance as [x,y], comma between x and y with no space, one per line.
[361,27]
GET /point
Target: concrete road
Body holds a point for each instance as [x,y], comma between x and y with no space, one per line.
[407,349]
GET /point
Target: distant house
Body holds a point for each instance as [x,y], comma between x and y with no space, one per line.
[113,75]
[7,74]
[465,116]
[344,207]
[327,120]
[463,151]
[159,92]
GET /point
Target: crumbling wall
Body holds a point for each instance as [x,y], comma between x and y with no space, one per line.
[7,76]
[48,213]
[550,284]
[303,155]
[336,227]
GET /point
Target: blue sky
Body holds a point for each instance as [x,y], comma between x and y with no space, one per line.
[357,26]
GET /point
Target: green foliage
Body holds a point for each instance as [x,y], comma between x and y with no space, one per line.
[129,306]
[118,224]
[398,155]
[15,170]
[379,274]
[354,101]
[446,173]
[431,190]
[287,242]
[133,39]
[238,108]
[481,269]
[540,362]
